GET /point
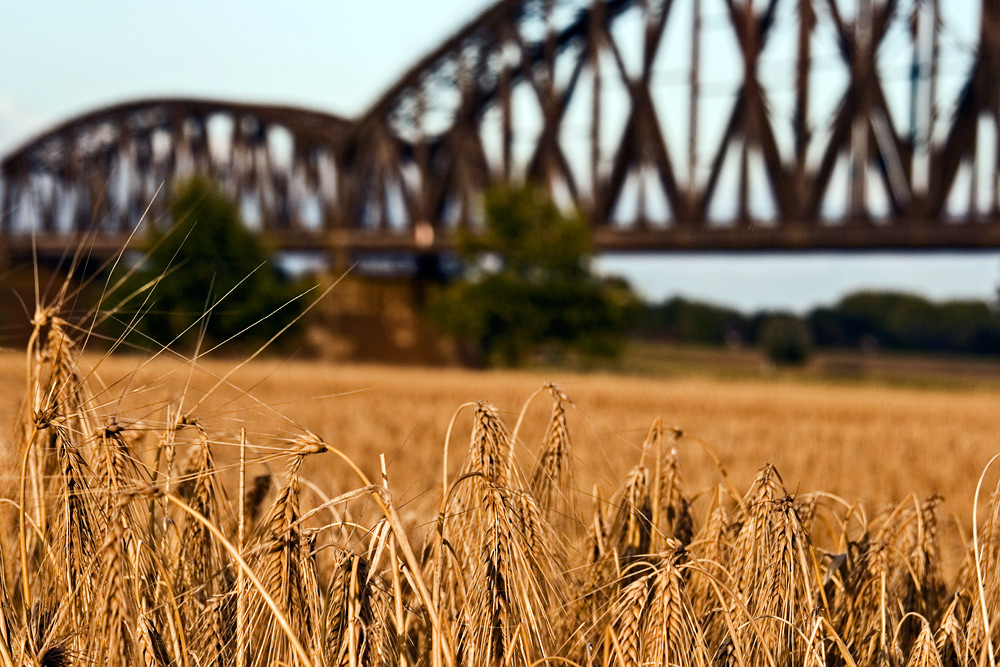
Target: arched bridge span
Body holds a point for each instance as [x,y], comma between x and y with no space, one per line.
[704,124]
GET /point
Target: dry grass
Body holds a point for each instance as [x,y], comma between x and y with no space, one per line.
[169,513]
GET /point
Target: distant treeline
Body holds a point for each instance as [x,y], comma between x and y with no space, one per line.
[863,320]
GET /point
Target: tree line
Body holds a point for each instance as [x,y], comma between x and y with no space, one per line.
[865,320]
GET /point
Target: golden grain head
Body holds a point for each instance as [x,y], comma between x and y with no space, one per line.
[142,542]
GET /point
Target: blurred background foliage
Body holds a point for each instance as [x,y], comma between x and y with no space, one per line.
[206,280]
[527,287]
[867,321]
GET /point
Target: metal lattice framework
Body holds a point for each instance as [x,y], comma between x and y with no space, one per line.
[706,124]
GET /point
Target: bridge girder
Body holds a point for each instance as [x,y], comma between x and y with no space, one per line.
[608,104]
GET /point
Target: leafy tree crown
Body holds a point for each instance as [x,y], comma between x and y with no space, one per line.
[529,286]
[209,271]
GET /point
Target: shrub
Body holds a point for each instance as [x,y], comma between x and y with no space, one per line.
[785,339]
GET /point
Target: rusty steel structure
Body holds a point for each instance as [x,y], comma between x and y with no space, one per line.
[674,124]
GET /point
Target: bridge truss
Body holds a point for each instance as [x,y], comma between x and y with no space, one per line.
[675,124]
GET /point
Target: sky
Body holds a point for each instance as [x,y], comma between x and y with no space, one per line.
[61,58]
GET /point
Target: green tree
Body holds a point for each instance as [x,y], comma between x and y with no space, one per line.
[686,321]
[208,271]
[908,322]
[785,338]
[528,285]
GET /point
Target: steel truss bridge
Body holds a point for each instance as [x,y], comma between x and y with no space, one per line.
[674,124]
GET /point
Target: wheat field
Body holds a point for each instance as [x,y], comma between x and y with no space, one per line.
[162,512]
[869,443]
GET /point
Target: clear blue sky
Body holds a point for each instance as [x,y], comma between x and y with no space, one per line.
[61,58]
